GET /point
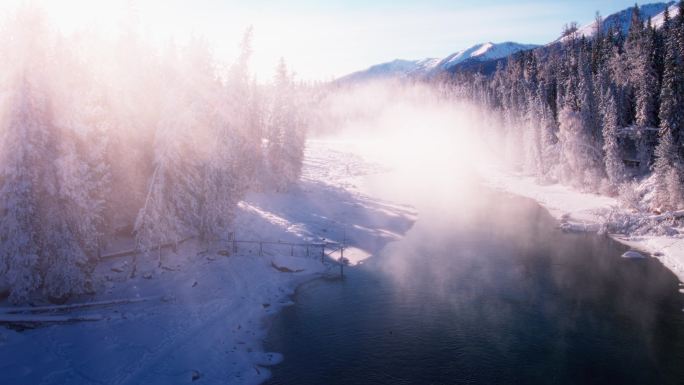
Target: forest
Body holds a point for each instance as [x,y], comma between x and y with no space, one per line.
[599,113]
[105,137]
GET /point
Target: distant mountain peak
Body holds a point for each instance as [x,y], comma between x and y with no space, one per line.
[623,19]
[425,67]
[484,51]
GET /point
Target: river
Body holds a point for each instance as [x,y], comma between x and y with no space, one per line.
[485,289]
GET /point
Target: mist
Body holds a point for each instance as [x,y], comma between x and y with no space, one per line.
[432,145]
[432,142]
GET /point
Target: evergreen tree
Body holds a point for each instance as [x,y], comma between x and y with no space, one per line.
[668,164]
[21,234]
[286,134]
[615,168]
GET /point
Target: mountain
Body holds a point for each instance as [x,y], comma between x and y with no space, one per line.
[466,58]
[481,53]
[394,69]
[484,57]
[623,19]
[660,18]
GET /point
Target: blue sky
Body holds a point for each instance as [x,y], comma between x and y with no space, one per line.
[325,39]
[354,34]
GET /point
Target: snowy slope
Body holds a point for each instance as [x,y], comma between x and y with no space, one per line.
[483,52]
[431,66]
[660,18]
[394,69]
[622,19]
[202,318]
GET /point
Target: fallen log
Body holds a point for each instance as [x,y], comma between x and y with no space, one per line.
[32,319]
[60,308]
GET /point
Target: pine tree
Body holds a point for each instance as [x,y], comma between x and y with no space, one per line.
[286,134]
[668,164]
[615,168]
[21,233]
[171,208]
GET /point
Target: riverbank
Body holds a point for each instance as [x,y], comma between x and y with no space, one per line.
[202,315]
[578,211]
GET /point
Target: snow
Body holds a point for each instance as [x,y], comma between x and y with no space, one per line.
[622,19]
[632,254]
[396,68]
[484,51]
[579,211]
[417,68]
[203,316]
[659,19]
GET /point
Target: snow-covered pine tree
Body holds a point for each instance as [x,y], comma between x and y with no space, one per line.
[640,49]
[21,233]
[547,124]
[591,136]
[531,119]
[286,134]
[220,147]
[244,115]
[171,206]
[171,209]
[668,163]
[615,168]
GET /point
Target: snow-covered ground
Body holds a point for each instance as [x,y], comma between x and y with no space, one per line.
[578,211]
[203,315]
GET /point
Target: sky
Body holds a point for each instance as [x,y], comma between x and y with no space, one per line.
[321,40]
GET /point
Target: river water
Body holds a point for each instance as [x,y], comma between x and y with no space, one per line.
[485,289]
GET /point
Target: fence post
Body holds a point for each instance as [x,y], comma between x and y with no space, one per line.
[234,243]
[291,250]
[261,249]
[307,249]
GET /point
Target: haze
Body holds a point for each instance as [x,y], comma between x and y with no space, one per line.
[324,40]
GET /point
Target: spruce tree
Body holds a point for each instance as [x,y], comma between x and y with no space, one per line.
[615,168]
[668,164]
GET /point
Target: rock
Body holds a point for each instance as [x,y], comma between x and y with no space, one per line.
[195,375]
[284,269]
[633,254]
[147,275]
[58,300]
[225,253]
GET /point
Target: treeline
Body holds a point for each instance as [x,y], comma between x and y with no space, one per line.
[597,113]
[112,137]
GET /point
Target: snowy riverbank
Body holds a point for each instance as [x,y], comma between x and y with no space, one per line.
[204,314]
[579,211]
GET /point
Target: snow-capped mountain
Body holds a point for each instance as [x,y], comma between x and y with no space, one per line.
[483,52]
[394,69]
[431,66]
[484,57]
[623,19]
[660,18]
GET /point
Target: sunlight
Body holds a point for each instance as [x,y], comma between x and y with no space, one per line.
[253,192]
